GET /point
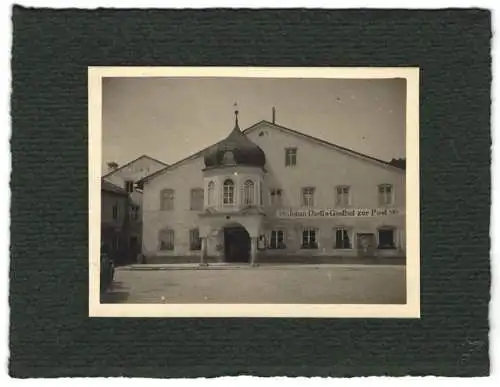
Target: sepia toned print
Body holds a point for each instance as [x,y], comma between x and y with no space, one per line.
[253,192]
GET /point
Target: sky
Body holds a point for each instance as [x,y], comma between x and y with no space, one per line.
[171,118]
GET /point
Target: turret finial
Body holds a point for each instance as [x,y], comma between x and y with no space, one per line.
[236,112]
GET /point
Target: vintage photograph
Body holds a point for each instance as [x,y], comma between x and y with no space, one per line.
[253,192]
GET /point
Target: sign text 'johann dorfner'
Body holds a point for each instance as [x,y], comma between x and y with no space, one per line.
[331,213]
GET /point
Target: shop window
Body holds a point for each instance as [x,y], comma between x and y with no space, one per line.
[342,239]
[167,237]
[386,238]
[277,240]
[309,239]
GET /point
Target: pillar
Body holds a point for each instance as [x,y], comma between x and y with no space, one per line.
[253,256]
[203,254]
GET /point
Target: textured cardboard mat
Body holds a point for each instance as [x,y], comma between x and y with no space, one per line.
[50,333]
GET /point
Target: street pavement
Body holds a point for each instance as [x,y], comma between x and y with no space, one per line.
[291,284]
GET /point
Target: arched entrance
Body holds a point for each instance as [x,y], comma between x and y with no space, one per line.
[237,244]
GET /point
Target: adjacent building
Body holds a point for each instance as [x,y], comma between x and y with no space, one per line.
[271,193]
[114,220]
[126,178]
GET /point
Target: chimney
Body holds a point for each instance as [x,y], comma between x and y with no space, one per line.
[112,166]
[274,115]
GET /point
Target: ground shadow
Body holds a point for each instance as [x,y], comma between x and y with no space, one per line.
[116,293]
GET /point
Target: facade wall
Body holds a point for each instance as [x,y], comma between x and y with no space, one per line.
[324,169]
[181,218]
[135,171]
[317,166]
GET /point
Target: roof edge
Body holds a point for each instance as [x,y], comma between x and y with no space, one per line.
[323,142]
[133,161]
[112,188]
[256,125]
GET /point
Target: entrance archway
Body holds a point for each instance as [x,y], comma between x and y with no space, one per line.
[236,244]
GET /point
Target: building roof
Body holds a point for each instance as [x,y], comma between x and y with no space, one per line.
[323,142]
[106,186]
[133,161]
[282,128]
[235,150]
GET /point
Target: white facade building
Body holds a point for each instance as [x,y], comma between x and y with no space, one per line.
[270,193]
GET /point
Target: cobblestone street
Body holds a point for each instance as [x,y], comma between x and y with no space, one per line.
[321,284]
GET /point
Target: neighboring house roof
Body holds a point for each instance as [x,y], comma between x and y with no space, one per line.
[284,129]
[106,186]
[133,161]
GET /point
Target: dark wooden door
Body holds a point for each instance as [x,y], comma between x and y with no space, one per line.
[236,245]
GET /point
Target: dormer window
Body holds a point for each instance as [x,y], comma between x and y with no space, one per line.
[228,158]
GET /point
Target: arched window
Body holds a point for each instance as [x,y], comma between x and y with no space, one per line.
[248,192]
[228,192]
[211,193]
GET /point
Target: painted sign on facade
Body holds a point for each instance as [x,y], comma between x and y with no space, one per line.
[337,212]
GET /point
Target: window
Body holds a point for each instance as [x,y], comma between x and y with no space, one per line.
[134,241]
[134,212]
[116,212]
[275,195]
[129,186]
[228,192]
[194,239]
[211,193]
[116,241]
[197,199]
[248,192]
[167,199]
[308,197]
[228,158]
[277,240]
[342,240]
[290,157]
[309,239]
[167,240]
[342,197]
[385,194]
[386,238]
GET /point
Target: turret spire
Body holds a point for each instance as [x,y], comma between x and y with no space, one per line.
[236,112]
